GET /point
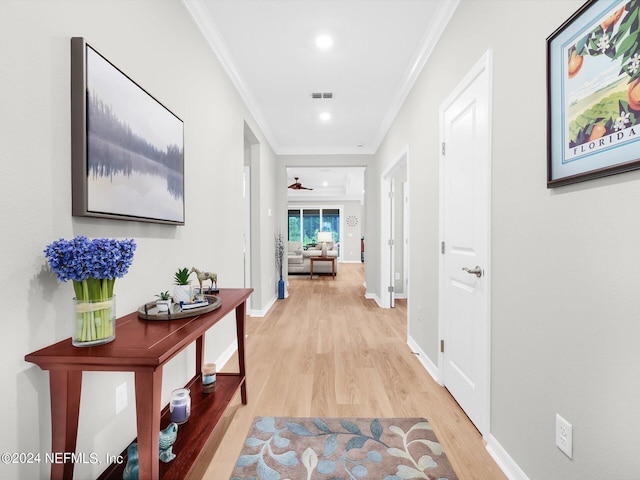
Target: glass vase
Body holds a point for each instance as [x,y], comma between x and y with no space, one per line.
[95,322]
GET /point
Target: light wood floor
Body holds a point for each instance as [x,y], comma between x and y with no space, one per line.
[328,351]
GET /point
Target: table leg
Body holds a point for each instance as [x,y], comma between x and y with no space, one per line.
[199,354]
[65,387]
[311,268]
[148,398]
[240,323]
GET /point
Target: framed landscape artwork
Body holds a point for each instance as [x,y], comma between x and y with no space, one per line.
[127,149]
[593,89]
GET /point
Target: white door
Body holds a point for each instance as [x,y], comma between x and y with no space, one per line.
[464,220]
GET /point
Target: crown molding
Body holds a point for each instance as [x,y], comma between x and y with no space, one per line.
[327,151]
[443,14]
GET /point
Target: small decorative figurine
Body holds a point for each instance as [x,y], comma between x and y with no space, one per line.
[132,468]
[203,276]
[167,439]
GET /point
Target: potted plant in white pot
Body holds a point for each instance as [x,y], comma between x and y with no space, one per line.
[183,292]
[163,304]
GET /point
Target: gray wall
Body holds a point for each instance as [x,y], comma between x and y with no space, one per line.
[565,296]
[158,45]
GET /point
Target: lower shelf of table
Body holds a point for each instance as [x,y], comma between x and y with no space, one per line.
[206,411]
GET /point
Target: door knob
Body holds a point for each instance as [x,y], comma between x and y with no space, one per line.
[477,271]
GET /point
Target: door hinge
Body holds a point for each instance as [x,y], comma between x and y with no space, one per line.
[391,242]
[442,247]
[391,194]
[442,346]
[442,148]
[390,289]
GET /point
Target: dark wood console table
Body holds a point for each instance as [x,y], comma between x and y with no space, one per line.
[143,347]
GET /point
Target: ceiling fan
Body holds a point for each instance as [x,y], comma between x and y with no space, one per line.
[298,186]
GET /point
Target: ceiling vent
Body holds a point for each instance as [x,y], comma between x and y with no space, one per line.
[322,95]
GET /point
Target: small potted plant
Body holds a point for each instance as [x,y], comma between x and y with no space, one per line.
[164,301]
[183,291]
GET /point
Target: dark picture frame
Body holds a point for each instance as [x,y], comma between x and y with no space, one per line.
[127,149]
[593,93]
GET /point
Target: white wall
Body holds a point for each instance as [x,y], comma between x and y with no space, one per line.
[565,296]
[158,45]
[350,240]
[262,161]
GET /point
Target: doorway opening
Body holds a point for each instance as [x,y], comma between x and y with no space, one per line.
[394,231]
[332,200]
[251,166]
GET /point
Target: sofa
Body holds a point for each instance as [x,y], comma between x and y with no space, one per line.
[298,258]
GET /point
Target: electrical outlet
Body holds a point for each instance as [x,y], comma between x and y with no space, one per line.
[419,309]
[397,275]
[121,398]
[564,436]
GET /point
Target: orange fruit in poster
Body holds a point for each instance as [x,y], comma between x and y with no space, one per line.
[612,19]
[597,131]
[633,95]
[575,63]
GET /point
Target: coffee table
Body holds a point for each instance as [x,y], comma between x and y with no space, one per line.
[323,259]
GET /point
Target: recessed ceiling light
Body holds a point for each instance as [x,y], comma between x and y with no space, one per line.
[325,116]
[324,41]
[325,184]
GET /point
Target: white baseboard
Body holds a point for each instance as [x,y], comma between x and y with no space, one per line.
[373,296]
[504,460]
[428,365]
[265,310]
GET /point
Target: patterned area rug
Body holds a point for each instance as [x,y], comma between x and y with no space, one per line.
[341,449]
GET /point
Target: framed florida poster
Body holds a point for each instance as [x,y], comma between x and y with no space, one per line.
[593,93]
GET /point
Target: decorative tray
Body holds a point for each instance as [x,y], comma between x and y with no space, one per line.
[149,311]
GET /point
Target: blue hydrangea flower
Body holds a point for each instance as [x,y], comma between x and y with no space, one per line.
[80,258]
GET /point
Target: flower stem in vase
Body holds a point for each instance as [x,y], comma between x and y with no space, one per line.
[94,312]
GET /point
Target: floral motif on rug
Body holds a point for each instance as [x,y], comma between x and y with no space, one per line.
[342,449]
